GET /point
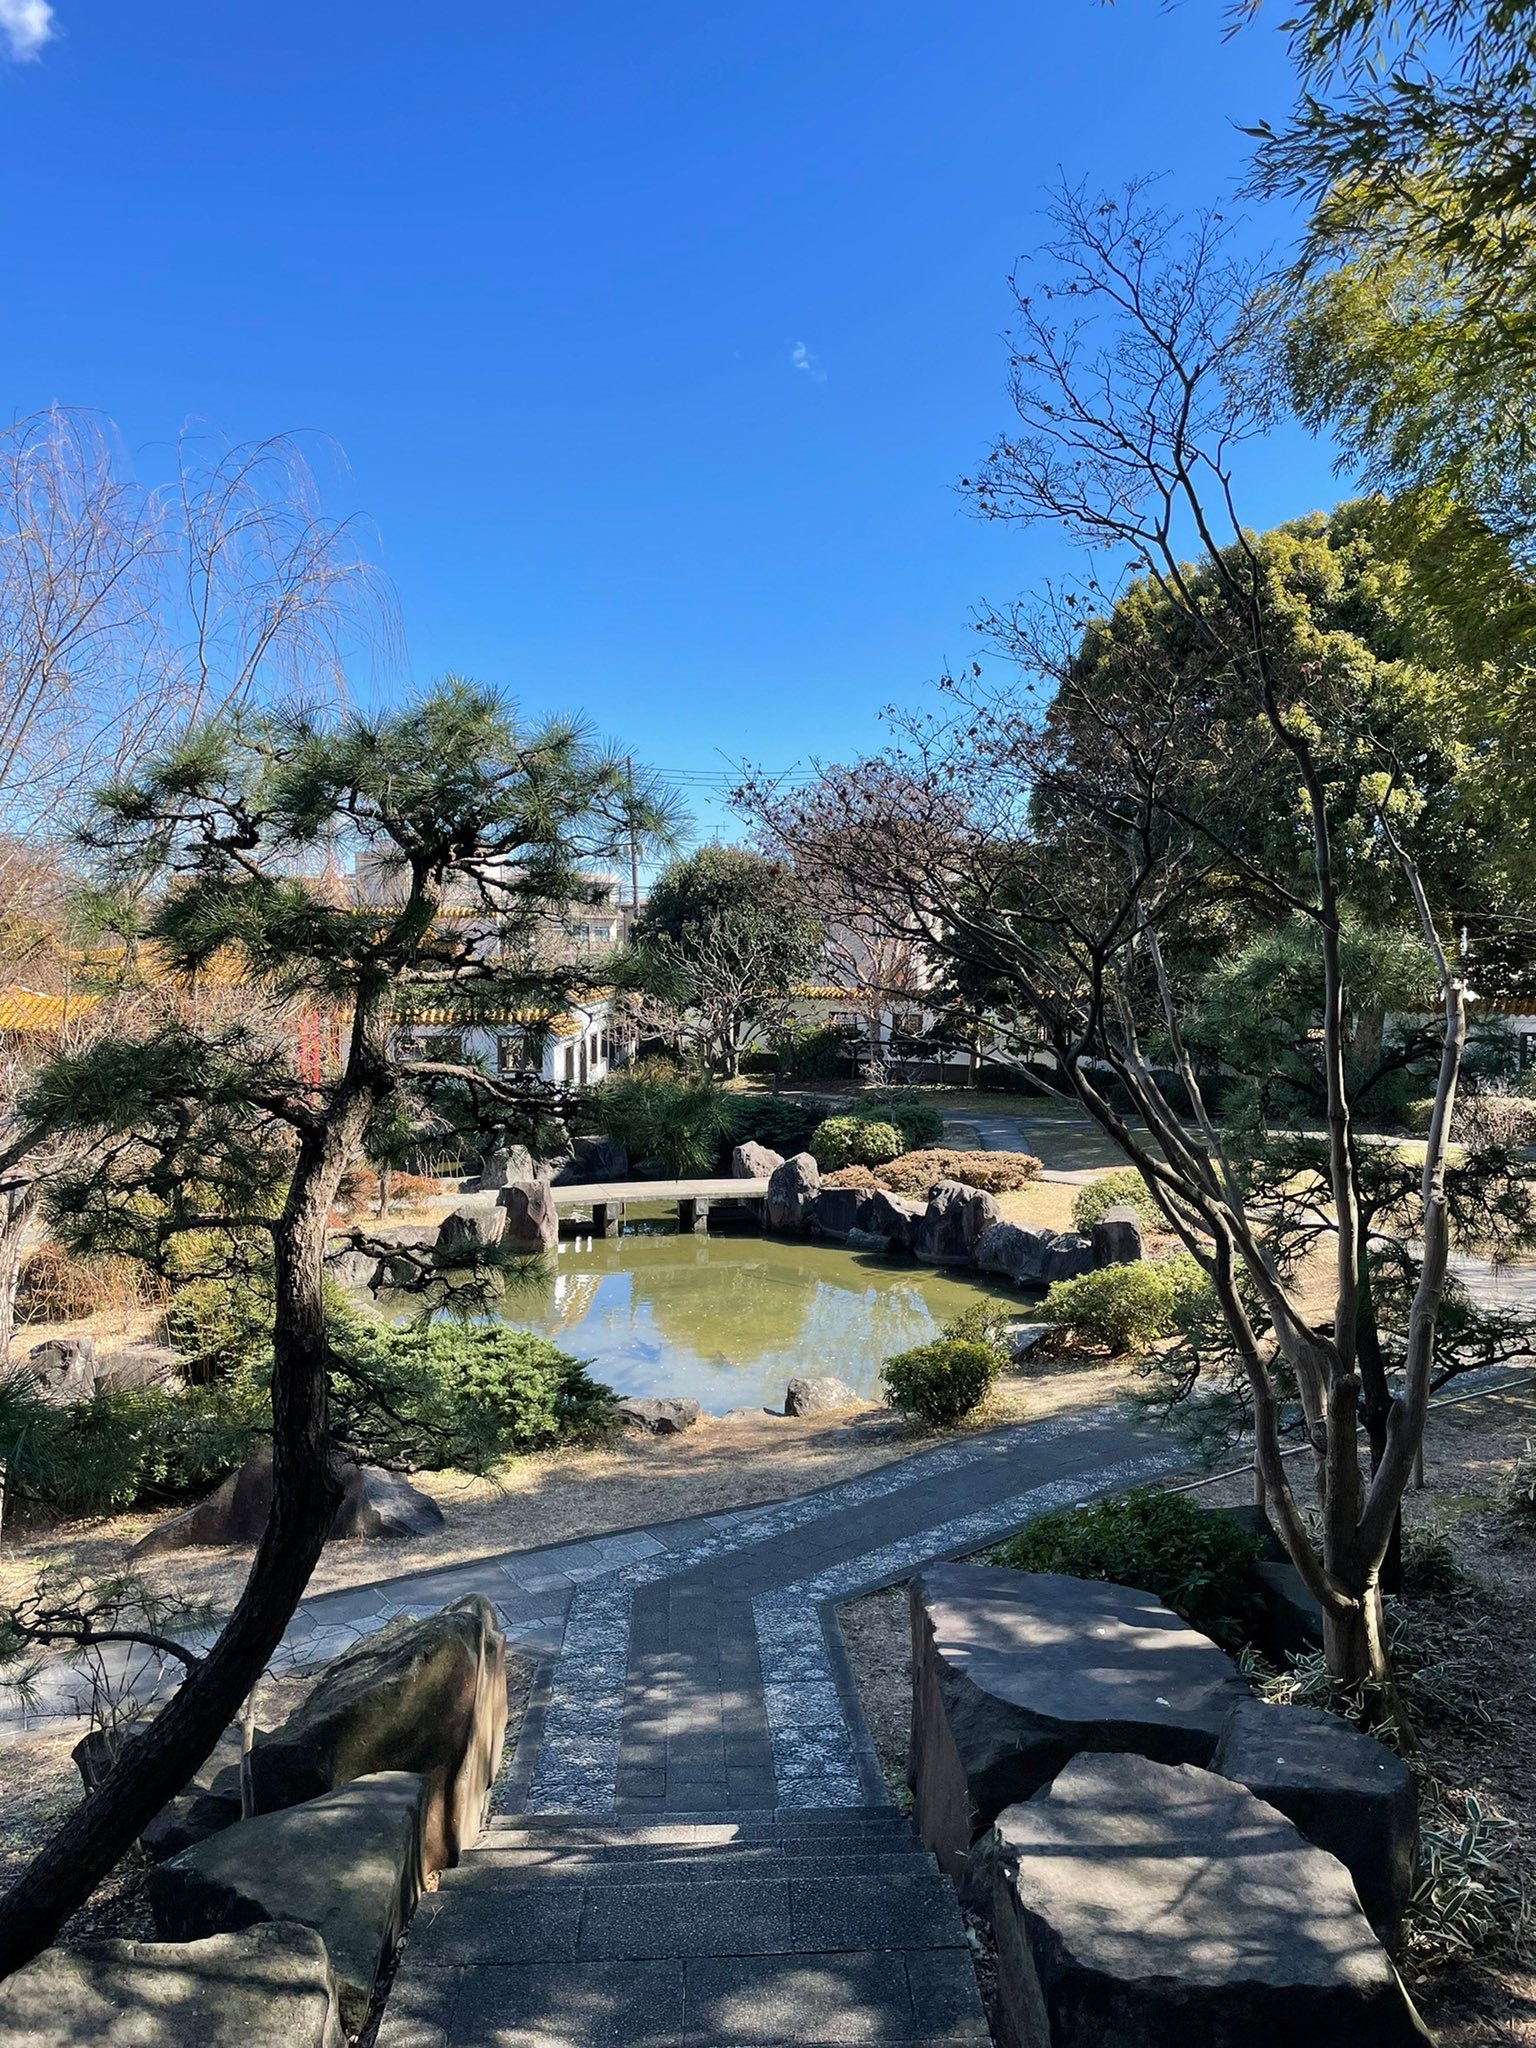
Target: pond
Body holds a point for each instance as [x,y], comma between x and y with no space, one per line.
[728,1320]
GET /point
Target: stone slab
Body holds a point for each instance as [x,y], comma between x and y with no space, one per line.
[1015,1672]
[270,1987]
[1346,1792]
[1146,1905]
[349,1865]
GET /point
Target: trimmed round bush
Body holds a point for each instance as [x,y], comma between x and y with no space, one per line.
[920,1124]
[995,1173]
[1125,1187]
[1199,1564]
[1125,1308]
[850,1177]
[941,1382]
[854,1141]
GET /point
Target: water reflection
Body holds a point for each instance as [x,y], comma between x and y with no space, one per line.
[729,1320]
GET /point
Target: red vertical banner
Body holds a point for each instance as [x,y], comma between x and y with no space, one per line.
[309,1047]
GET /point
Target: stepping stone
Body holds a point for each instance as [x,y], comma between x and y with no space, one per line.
[1145,1905]
[1013,1673]
[1346,1792]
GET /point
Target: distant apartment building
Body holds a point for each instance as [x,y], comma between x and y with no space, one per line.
[576,1045]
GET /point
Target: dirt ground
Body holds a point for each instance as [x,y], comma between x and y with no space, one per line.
[1484,1624]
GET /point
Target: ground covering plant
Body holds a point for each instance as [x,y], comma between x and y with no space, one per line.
[461,1395]
[1518,1491]
[854,1141]
[1122,1188]
[1199,1563]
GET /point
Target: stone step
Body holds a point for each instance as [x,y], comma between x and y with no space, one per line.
[701,1830]
[654,1916]
[509,1868]
[862,1999]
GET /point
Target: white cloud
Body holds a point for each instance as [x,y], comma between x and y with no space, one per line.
[25,25]
[799,355]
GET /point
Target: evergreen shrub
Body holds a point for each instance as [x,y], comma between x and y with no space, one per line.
[1198,1563]
[1119,1309]
[854,1141]
[941,1382]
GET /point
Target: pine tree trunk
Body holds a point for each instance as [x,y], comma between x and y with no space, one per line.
[155,1765]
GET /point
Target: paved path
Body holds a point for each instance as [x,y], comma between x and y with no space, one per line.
[698,1845]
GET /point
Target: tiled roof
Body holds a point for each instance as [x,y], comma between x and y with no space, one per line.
[27,1009]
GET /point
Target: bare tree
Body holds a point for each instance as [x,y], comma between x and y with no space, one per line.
[127,610]
[1060,845]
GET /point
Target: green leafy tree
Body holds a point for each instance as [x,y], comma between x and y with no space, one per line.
[205,1127]
[724,940]
[1409,320]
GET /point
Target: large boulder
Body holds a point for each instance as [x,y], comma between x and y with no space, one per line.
[861,1240]
[353,1269]
[593,1159]
[1032,1257]
[427,1696]
[1117,1237]
[270,1987]
[208,1803]
[836,1211]
[63,1370]
[374,1503]
[138,1365]
[533,1222]
[1014,1673]
[1343,1790]
[657,1415]
[751,1161]
[792,1188]
[505,1164]
[1146,1905]
[895,1217]
[954,1223]
[1292,1618]
[472,1228]
[383,1506]
[402,1270]
[348,1864]
[819,1395]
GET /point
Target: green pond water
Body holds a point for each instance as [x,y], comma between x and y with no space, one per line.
[731,1320]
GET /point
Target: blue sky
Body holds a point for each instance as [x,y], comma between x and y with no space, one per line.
[655,339]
